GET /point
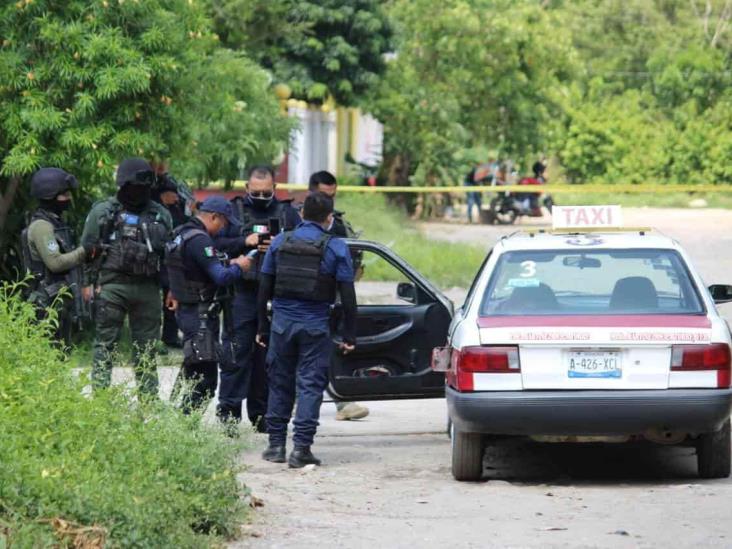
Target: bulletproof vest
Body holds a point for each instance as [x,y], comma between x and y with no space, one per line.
[250,218]
[184,289]
[298,273]
[341,227]
[42,276]
[134,243]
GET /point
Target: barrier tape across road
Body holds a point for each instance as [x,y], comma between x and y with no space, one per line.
[553,189]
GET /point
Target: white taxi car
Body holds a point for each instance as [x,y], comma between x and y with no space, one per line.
[589,335]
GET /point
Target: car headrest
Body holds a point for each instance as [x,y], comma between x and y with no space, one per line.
[634,293]
[532,298]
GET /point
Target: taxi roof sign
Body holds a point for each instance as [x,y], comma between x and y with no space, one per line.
[586,217]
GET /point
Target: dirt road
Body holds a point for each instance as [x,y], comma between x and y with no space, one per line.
[386,479]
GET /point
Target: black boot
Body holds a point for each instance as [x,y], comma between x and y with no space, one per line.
[275,454]
[302,456]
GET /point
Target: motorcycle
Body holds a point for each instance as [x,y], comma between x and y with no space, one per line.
[507,207]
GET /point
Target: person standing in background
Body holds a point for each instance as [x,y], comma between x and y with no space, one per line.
[166,194]
[326,183]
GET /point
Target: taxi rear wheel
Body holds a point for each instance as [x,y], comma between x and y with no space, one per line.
[467,455]
[713,453]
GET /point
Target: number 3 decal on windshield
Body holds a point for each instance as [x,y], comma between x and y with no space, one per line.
[529,269]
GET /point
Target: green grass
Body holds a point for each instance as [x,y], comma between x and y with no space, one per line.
[446,264]
[137,474]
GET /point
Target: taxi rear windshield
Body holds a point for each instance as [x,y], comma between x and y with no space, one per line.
[598,282]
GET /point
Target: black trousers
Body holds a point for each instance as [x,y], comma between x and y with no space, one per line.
[196,381]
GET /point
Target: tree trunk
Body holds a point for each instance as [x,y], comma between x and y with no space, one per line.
[6,200]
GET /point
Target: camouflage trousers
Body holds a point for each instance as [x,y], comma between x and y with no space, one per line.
[140,302]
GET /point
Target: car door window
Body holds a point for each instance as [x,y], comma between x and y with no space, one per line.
[378,281]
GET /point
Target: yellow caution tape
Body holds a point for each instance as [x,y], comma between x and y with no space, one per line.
[552,189]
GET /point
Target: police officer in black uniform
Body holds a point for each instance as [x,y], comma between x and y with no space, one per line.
[50,254]
[260,214]
[166,194]
[197,273]
[302,271]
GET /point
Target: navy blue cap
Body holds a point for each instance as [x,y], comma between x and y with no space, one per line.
[218,204]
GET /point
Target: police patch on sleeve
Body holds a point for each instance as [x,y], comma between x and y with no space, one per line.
[52,246]
[209,251]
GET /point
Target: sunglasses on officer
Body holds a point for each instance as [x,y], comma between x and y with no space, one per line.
[261,194]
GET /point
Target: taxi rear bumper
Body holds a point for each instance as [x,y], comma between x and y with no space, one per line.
[589,412]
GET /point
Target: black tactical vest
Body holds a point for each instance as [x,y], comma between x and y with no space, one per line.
[250,218]
[43,277]
[298,273]
[185,290]
[134,243]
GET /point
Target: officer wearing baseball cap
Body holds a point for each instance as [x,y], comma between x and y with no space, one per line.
[199,276]
[131,231]
[50,254]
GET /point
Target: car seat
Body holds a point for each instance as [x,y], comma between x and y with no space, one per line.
[531,299]
[634,293]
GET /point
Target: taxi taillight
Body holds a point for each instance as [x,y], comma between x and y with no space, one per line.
[482,360]
[713,357]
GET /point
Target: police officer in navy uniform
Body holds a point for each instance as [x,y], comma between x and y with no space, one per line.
[246,377]
[196,273]
[301,273]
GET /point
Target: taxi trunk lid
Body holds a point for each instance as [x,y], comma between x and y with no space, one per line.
[595,352]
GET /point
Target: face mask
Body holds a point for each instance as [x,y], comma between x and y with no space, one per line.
[55,206]
[261,202]
[330,225]
[134,197]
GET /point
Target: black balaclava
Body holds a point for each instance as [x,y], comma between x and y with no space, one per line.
[55,206]
[261,204]
[134,197]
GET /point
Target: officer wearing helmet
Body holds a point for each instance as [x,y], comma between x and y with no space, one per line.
[131,230]
[50,254]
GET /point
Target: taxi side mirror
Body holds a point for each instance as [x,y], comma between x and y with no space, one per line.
[407,292]
[721,293]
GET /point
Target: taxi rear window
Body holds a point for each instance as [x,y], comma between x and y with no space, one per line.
[597,282]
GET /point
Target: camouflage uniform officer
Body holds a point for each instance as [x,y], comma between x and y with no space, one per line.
[49,251]
[132,231]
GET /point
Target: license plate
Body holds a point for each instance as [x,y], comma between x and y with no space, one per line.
[594,364]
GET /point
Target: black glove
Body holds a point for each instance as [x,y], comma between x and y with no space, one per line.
[92,251]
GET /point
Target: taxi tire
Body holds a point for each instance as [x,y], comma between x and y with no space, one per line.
[713,453]
[467,455]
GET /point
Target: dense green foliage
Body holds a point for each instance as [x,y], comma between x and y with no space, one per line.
[320,49]
[148,476]
[653,102]
[614,90]
[84,84]
[469,72]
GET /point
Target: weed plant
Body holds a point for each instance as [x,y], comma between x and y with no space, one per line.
[107,467]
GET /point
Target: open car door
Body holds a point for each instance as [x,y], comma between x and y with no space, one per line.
[401,318]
